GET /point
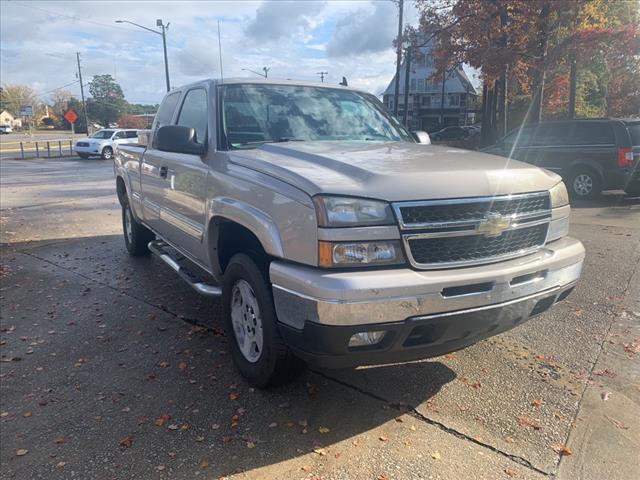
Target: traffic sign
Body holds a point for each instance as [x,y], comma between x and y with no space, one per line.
[71,116]
[26,110]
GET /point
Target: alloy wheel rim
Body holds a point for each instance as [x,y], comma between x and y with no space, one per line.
[583,184]
[128,229]
[246,320]
[107,153]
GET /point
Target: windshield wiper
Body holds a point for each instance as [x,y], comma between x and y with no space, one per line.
[273,140]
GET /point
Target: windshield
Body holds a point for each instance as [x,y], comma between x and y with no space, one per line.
[102,134]
[256,114]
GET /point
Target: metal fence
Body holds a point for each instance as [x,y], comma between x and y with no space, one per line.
[37,149]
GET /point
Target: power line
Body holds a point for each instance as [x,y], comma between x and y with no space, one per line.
[42,94]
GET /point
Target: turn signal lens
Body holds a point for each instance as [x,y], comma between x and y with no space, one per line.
[625,157]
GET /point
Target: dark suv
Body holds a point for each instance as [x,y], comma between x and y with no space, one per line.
[591,154]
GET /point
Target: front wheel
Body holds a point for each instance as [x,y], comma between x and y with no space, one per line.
[257,349]
[107,153]
[584,183]
[136,235]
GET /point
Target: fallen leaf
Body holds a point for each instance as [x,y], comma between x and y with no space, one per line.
[305,468]
[173,426]
[215,426]
[251,445]
[185,426]
[204,464]
[436,455]
[160,468]
[398,419]
[313,391]
[528,422]
[273,425]
[182,365]
[562,450]
[21,452]
[509,439]
[199,438]
[60,464]
[27,414]
[382,476]
[605,396]
[163,364]
[617,423]
[161,420]
[320,451]
[382,438]
[536,403]
[324,430]
[233,396]
[511,472]
[127,441]
[226,439]
[60,440]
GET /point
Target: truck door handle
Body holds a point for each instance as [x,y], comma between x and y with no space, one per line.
[163,172]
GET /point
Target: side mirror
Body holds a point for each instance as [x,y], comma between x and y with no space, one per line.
[178,139]
[422,137]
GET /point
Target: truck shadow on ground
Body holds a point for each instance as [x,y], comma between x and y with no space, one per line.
[140,356]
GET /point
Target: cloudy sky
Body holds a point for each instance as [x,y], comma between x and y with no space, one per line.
[296,40]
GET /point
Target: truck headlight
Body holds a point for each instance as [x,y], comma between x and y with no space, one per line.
[351,212]
[359,254]
[559,195]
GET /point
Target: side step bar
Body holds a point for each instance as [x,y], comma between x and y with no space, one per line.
[159,248]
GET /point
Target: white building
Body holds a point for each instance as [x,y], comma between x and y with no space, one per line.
[425,110]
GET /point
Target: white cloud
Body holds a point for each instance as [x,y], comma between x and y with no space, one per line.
[364,31]
[39,41]
[283,19]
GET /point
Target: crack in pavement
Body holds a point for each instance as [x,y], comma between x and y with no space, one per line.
[404,408]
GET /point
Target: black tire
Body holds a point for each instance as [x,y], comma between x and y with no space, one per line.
[139,236]
[275,364]
[107,153]
[585,183]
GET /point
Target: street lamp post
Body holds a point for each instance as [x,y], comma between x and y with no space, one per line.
[163,34]
[264,69]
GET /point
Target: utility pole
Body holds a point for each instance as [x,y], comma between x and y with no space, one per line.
[84,104]
[164,47]
[322,75]
[398,59]
[444,81]
[405,117]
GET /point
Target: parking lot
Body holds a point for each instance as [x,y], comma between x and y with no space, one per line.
[113,368]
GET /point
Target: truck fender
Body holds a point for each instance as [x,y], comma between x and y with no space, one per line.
[256,221]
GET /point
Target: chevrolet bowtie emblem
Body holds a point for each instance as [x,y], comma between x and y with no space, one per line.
[493,225]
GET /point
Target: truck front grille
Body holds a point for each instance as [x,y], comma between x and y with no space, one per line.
[470,248]
[472,231]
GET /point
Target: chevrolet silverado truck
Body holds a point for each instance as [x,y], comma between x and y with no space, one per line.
[334,236]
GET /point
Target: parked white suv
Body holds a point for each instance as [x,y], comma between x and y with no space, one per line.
[5,129]
[103,142]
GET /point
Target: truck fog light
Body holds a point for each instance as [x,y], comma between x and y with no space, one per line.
[364,339]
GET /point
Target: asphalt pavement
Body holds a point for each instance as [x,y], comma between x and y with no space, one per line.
[113,368]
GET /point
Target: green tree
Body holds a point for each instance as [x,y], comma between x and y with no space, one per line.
[107,101]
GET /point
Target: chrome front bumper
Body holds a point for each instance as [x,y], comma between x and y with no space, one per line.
[304,294]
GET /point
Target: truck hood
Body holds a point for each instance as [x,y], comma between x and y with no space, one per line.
[393,171]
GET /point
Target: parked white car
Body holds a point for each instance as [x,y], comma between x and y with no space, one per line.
[103,142]
[5,129]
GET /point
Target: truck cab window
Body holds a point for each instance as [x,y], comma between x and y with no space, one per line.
[194,113]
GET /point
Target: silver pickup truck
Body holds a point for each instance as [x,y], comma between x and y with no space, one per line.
[333,235]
